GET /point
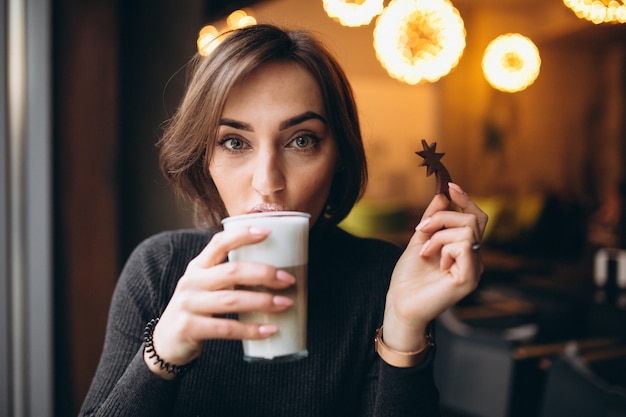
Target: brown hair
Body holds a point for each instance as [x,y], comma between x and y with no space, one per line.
[189,138]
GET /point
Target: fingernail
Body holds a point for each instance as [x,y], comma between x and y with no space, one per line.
[268,329]
[456,188]
[422,224]
[279,300]
[285,276]
[426,244]
[256,230]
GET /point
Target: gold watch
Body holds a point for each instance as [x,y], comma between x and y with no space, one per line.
[402,359]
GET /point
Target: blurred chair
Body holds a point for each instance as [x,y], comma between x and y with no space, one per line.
[474,366]
[574,389]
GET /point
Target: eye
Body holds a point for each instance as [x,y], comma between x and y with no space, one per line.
[232,144]
[304,141]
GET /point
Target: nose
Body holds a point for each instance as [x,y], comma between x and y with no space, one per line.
[268,177]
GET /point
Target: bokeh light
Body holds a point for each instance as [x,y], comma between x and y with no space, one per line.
[353,13]
[599,11]
[418,40]
[209,35]
[511,62]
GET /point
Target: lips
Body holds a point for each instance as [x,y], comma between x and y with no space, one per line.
[263,207]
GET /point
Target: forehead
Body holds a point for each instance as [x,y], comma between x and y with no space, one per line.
[276,83]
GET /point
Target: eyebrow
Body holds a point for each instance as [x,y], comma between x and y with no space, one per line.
[296,120]
[293,121]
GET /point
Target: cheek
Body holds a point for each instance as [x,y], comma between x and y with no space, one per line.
[313,191]
[226,188]
[322,182]
[218,179]
[225,172]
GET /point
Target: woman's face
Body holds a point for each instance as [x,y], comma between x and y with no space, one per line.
[275,149]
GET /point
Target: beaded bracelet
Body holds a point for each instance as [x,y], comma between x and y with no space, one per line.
[149,348]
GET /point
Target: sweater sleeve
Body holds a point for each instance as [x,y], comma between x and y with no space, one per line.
[138,392]
[123,385]
[407,391]
[401,392]
[391,391]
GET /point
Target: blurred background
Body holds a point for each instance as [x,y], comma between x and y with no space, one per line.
[86,86]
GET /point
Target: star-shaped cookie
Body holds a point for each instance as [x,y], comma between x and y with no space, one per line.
[433,164]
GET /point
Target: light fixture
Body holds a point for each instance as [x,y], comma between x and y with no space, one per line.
[511,62]
[418,40]
[599,11]
[353,13]
[208,37]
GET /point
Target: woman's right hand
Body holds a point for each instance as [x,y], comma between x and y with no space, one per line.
[206,291]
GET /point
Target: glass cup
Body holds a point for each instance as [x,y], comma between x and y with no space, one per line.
[287,248]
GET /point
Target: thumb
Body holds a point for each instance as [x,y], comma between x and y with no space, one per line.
[438,203]
[420,237]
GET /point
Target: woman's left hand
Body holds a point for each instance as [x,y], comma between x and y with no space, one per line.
[437,269]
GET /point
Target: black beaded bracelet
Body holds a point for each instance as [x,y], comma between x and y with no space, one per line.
[149,348]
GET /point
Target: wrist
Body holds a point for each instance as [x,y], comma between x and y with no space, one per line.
[401,358]
[154,361]
[404,334]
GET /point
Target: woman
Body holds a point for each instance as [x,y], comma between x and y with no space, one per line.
[269,123]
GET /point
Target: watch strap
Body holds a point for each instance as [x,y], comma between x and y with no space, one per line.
[402,359]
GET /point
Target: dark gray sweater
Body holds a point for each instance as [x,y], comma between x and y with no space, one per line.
[342,376]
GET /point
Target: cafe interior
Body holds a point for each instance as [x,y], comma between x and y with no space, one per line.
[525,99]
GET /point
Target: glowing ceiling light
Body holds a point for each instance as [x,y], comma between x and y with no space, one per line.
[599,11]
[353,12]
[511,62]
[419,40]
[209,35]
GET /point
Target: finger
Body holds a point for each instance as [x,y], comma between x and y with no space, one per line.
[460,255]
[230,274]
[464,269]
[208,303]
[463,201]
[224,328]
[450,220]
[223,242]
[444,237]
[179,337]
[438,203]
